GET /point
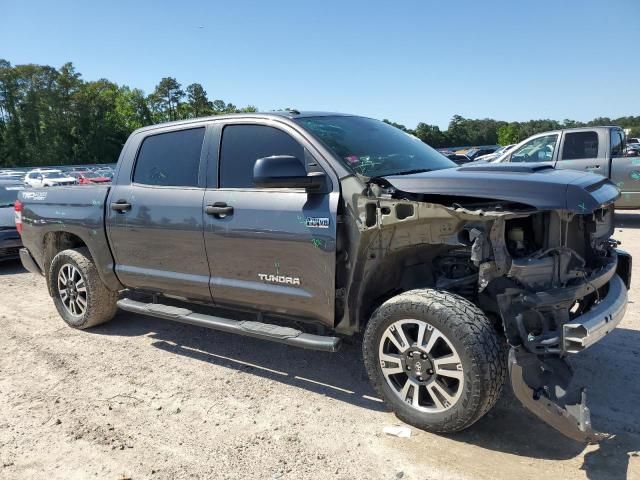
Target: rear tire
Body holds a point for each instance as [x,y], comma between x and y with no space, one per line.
[80,297]
[435,359]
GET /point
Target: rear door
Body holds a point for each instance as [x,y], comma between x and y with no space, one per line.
[154,214]
[274,249]
[584,150]
[625,171]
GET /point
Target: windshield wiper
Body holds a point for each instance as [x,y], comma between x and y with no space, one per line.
[409,172]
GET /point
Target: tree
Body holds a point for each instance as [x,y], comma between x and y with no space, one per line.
[166,98]
[198,101]
[52,116]
[509,133]
[397,125]
[431,135]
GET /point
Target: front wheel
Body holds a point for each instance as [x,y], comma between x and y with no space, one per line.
[80,297]
[435,359]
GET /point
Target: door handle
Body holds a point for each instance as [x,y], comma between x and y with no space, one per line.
[121,206]
[218,209]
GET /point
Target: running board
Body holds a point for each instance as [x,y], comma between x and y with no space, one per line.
[264,331]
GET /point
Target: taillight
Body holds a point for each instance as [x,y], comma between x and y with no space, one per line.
[18,215]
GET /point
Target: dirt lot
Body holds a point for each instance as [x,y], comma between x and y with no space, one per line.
[143,398]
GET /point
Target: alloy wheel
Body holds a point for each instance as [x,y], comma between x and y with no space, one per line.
[72,290]
[421,365]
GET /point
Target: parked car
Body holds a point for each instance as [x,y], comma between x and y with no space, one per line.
[48,178]
[492,156]
[476,152]
[598,150]
[632,150]
[633,140]
[106,172]
[10,241]
[12,174]
[458,158]
[349,226]
[85,178]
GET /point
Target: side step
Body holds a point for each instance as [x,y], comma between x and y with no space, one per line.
[265,331]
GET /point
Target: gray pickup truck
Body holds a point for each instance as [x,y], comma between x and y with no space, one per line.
[599,150]
[325,226]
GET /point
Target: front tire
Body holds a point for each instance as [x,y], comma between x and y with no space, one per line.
[435,359]
[80,297]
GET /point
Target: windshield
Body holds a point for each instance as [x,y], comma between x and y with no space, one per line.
[53,175]
[9,194]
[373,148]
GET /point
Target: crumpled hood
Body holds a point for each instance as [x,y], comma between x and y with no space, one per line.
[538,185]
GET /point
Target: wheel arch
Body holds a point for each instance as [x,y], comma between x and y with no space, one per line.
[56,241]
[395,273]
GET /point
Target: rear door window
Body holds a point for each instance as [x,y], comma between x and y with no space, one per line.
[242,145]
[580,145]
[170,159]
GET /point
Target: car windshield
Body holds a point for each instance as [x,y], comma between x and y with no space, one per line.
[53,175]
[8,194]
[373,148]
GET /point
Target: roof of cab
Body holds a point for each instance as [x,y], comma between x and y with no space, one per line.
[290,114]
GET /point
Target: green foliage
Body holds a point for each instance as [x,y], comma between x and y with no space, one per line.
[52,116]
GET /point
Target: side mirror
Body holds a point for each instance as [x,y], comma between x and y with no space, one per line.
[285,171]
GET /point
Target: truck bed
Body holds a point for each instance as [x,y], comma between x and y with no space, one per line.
[76,212]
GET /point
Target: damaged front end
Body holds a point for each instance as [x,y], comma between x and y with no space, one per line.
[557,298]
[548,273]
[561,297]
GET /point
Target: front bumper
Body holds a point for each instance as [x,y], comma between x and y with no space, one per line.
[540,375]
[572,335]
[587,329]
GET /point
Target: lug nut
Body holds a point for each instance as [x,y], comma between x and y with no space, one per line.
[411,354]
[420,378]
[424,355]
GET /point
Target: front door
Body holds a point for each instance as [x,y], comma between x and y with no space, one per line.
[154,219]
[269,249]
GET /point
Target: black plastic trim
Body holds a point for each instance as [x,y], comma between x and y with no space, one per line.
[264,331]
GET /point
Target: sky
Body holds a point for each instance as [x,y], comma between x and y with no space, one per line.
[407,61]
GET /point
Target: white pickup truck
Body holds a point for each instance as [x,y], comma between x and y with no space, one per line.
[596,149]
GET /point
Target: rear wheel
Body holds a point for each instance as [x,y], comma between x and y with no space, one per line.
[80,297]
[435,359]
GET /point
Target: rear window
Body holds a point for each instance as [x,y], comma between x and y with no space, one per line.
[579,145]
[53,175]
[9,194]
[170,159]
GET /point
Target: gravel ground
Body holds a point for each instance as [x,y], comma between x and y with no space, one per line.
[144,398]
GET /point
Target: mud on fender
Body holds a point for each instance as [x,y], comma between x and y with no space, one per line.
[542,386]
